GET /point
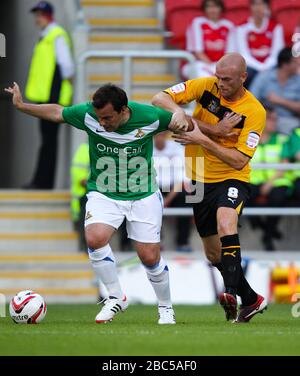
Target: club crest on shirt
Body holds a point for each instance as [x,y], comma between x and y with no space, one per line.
[213,106]
[140,134]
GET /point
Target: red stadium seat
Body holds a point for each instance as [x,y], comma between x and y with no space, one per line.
[179,15]
[237,11]
[287,13]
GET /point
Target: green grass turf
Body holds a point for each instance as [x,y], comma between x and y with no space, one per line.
[200,330]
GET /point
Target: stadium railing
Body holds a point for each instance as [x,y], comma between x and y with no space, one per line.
[127,57]
[266,211]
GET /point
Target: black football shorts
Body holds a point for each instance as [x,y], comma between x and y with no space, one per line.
[229,193]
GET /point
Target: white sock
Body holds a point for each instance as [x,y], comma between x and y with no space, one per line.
[104,265]
[158,276]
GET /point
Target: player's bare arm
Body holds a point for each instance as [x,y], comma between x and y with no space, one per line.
[232,157]
[51,112]
[180,123]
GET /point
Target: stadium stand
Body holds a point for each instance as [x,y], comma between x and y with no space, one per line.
[179,14]
[287,13]
[237,11]
[126,25]
[37,243]
[37,231]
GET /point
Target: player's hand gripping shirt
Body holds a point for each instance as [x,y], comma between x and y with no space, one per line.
[121,161]
[211,107]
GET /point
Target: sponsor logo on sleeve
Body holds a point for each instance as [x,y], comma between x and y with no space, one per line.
[252,140]
[179,88]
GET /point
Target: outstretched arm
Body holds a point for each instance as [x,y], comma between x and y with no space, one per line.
[51,112]
[230,156]
[180,122]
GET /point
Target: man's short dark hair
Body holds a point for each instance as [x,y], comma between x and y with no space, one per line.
[284,57]
[267,2]
[218,3]
[110,93]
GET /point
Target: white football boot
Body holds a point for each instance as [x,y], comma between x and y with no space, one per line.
[166,315]
[111,307]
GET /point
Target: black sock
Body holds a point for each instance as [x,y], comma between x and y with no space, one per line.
[244,290]
[218,266]
[231,262]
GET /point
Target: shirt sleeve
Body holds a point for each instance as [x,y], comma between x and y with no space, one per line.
[243,47]
[74,115]
[251,133]
[231,45]
[165,118]
[294,145]
[195,36]
[277,46]
[188,91]
[64,58]
[259,85]
[286,152]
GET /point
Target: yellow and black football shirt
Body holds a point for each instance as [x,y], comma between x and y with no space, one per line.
[210,108]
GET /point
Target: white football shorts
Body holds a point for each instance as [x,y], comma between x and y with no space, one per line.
[143,217]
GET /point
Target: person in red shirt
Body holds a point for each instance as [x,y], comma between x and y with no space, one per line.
[209,38]
[260,39]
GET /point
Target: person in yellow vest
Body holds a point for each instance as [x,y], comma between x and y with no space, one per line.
[49,81]
[270,188]
[294,156]
[80,170]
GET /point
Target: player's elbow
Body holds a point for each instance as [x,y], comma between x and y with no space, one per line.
[57,115]
[157,99]
[240,163]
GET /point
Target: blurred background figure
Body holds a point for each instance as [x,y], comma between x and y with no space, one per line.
[294,157]
[280,88]
[270,188]
[80,170]
[169,164]
[260,39]
[49,81]
[209,38]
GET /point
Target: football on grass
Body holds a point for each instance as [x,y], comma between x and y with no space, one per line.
[27,307]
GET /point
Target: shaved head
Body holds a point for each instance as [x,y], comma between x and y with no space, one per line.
[234,61]
[231,71]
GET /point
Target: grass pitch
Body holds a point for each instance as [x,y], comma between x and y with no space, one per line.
[200,330]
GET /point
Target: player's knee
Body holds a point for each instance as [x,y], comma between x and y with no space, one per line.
[226,226]
[96,240]
[150,260]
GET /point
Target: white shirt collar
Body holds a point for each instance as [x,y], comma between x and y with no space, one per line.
[47,29]
[263,27]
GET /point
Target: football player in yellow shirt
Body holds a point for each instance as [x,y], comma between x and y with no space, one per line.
[226,170]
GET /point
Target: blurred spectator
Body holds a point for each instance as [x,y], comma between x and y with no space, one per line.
[270,188]
[51,70]
[209,38]
[294,156]
[80,170]
[280,88]
[296,44]
[259,40]
[169,164]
